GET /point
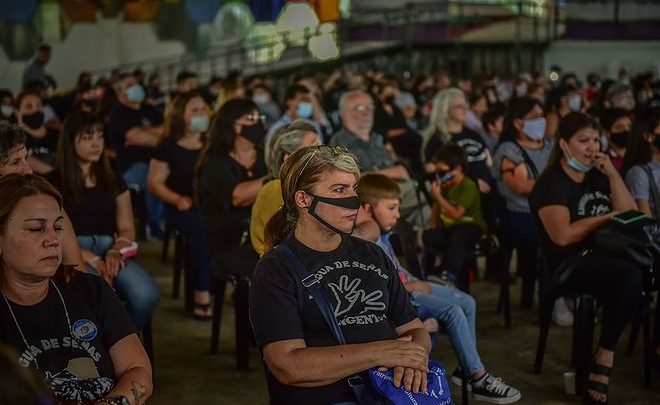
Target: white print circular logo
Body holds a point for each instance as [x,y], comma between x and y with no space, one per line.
[85,330]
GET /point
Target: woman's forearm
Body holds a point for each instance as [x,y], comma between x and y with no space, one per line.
[246,192]
[164,193]
[135,384]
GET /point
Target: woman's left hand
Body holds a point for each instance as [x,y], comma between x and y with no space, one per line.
[436,190]
[603,163]
[114,262]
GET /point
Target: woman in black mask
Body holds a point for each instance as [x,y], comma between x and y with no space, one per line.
[230,173]
[616,124]
[41,142]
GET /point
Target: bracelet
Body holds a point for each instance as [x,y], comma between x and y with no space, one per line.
[113,250]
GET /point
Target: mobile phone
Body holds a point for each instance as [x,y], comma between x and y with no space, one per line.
[445,177]
[629,217]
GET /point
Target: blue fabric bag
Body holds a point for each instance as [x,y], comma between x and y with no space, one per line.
[437,388]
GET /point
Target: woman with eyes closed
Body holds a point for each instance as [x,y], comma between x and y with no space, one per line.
[66,325]
[99,205]
[14,159]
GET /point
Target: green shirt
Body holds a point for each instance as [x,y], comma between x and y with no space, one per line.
[465,194]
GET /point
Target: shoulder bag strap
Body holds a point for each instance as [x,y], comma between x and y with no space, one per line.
[528,160]
[312,285]
[654,190]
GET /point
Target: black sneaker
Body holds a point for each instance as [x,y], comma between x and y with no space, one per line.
[495,391]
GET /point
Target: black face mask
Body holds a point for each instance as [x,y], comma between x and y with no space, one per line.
[620,138]
[350,203]
[34,120]
[656,141]
[389,99]
[254,133]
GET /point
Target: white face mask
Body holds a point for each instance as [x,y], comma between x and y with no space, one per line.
[260,98]
[575,102]
[7,111]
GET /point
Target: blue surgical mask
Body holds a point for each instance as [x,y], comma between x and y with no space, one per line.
[576,165]
[575,103]
[199,123]
[305,110]
[135,93]
[535,128]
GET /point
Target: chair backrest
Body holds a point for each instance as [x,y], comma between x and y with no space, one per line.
[407,241]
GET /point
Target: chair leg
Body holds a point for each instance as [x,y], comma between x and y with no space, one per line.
[634,331]
[648,349]
[188,290]
[242,324]
[218,301]
[178,265]
[166,242]
[583,344]
[464,388]
[545,316]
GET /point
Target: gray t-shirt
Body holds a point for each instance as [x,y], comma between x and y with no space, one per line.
[511,152]
[639,184]
[371,155]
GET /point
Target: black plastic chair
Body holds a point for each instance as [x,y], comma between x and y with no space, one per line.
[181,267]
[235,267]
[406,240]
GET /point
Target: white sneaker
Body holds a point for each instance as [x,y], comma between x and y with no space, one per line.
[495,391]
[561,315]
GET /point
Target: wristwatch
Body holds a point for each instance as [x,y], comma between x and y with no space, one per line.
[114,400]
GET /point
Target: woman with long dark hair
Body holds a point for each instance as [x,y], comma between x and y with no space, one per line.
[521,156]
[99,205]
[230,173]
[641,166]
[580,191]
[170,179]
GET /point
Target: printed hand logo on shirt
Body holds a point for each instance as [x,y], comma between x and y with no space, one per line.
[347,294]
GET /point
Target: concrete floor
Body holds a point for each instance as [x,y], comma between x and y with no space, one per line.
[187,374]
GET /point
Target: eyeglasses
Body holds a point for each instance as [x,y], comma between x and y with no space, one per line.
[463,106]
[336,150]
[361,108]
[255,117]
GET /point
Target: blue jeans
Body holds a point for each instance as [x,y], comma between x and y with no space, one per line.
[136,177]
[455,310]
[191,224]
[133,283]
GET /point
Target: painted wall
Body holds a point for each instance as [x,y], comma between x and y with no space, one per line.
[92,46]
[604,57]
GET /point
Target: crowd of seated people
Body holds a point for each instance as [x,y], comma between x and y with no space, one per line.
[468,159]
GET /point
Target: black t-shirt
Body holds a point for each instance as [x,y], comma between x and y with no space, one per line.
[477,154]
[98,320]
[121,120]
[44,148]
[591,198]
[358,280]
[224,222]
[96,214]
[383,122]
[181,163]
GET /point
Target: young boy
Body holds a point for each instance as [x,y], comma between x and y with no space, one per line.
[493,124]
[380,197]
[456,211]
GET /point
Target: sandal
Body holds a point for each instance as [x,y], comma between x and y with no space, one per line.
[597,386]
[204,309]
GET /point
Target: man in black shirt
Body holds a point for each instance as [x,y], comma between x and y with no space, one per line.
[135,130]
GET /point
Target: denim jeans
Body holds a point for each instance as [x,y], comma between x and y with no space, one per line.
[133,283]
[136,177]
[455,310]
[191,224]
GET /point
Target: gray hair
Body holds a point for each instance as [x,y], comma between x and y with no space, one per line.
[438,120]
[286,140]
[349,95]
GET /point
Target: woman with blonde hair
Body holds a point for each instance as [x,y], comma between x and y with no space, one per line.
[305,364]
